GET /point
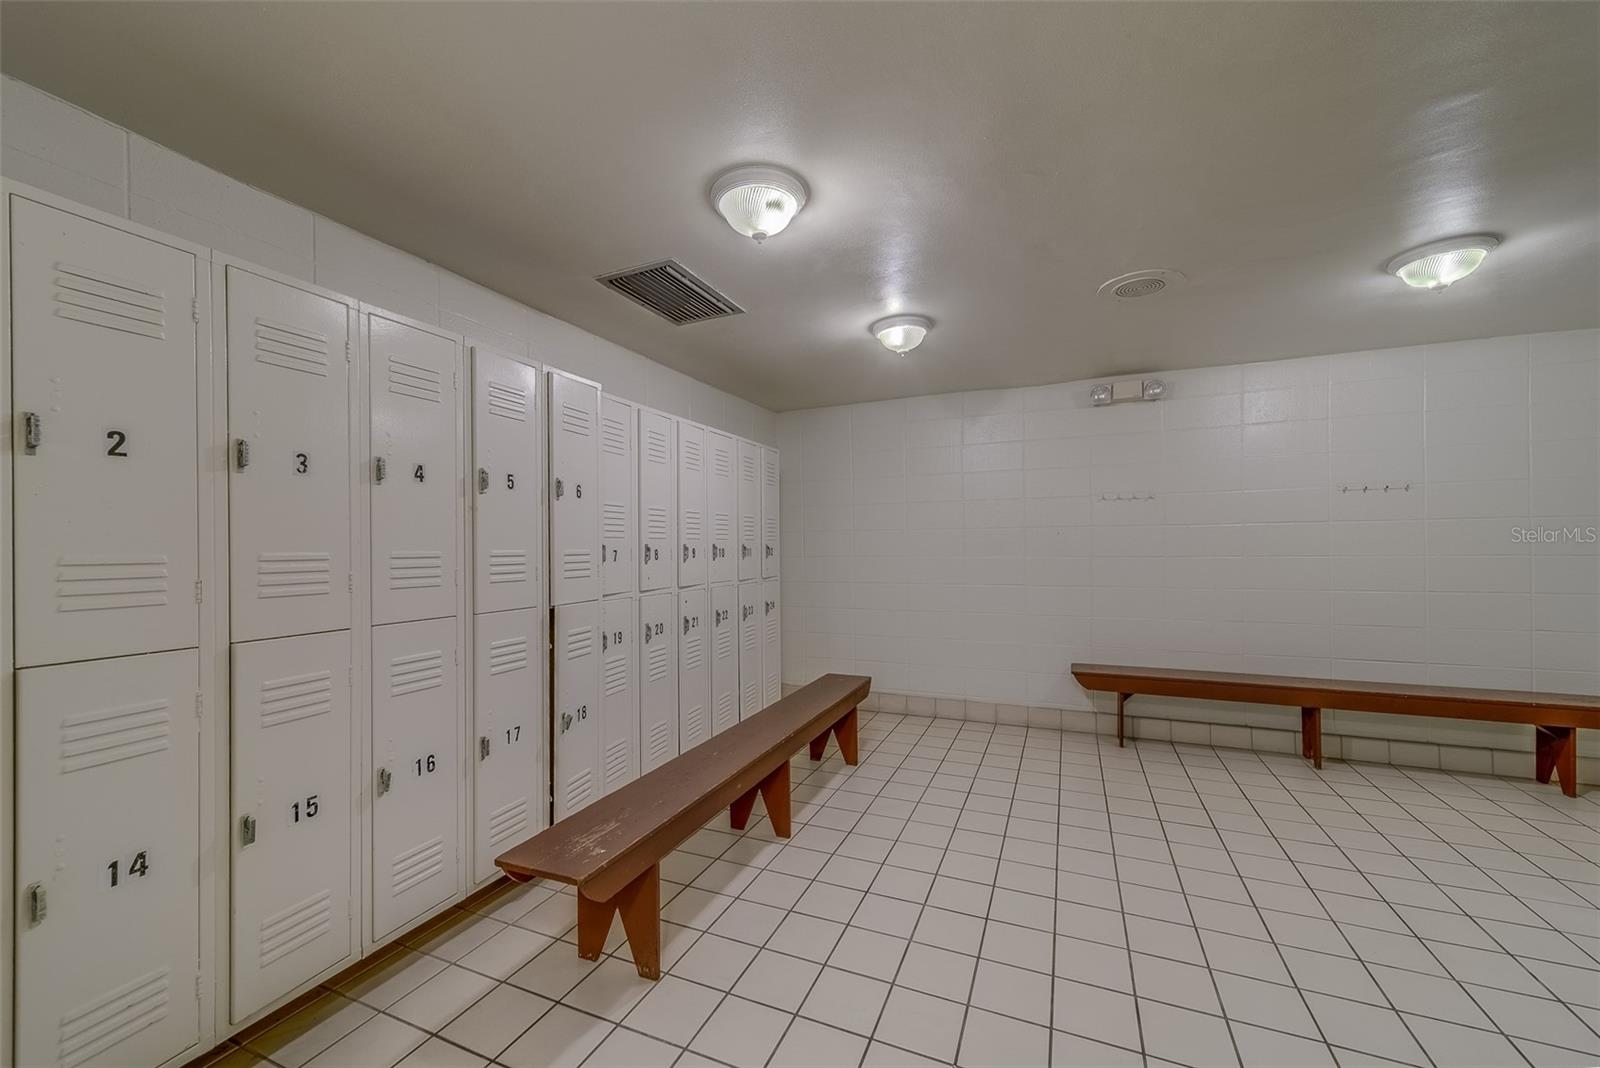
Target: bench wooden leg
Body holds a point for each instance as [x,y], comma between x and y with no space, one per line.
[739,811]
[1122,699]
[845,731]
[1556,749]
[775,795]
[1311,735]
[819,745]
[640,905]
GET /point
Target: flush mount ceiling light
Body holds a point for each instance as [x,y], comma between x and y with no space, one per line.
[1435,266]
[758,201]
[901,333]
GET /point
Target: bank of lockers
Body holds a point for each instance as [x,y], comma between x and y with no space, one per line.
[289,360]
[772,643]
[658,500]
[104,347]
[722,507]
[416,477]
[509,735]
[749,493]
[694,668]
[576,709]
[619,495]
[507,483]
[692,552]
[752,639]
[293,824]
[108,860]
[574,489]
[724,657]
[416,728]
[769,513]
[658,679]
[619,692]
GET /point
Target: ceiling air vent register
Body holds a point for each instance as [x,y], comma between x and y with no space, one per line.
[1138,284]
[672,291]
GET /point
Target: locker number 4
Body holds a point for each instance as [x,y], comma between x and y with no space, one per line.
[137,868]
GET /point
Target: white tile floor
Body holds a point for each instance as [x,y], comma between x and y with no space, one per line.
[986,895]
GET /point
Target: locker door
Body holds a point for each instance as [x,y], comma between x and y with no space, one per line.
[772,644]
[724,657]
[293,831]
[415,475]
[749,455]
[108,859]
[574,489]
[658,680]
[508,479]
[769,513]
[508,699]
[288,459]
[751,640]
[722,507]
[415,727]
[577,706]
[619,700]
[658,500]
[105,458]
[694,669]
[691,504]
[619,472]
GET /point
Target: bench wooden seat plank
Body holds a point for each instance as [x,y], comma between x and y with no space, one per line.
[1556,717]
[611,850]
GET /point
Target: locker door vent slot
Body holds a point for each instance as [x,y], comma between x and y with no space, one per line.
[655,446]
[296,697]
[580,642]
[108,735]
[694,723]
[693,524]
[508,654]
[508,565]
[655,523]
[660,664]
[577,564]
[88,296]
[508,821]
[721,463]
[614,436]
[416,865]
[296,926]
[413,569]
[508,402]
[693,652]
[93,583]
[293,574]
[613,520]
[579,787]
[672,291]
[659,739]
[617,763]
[724,647]
[616,675]
[415,673]
[414,381]
[722,526]
[691,453]
[725,712]
[576,420]
[100,1025]
[291,348]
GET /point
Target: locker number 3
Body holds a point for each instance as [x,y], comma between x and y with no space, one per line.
[302,463]
[137,868]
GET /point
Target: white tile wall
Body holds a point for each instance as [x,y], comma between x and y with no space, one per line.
[959,546]
[48,143]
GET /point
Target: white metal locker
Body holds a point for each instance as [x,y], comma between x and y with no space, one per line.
[574,489]
[415,473]
[724,657]
[507,483]
[619,699]
[722,507]
[692,550]
[772,643]
[508,702]
[769,513]
[577,707]
[619,494]
[416,771]
[104,348]
[658,500]
[288,458]
[694,668]
[751,640]
[108,861]
[749,457]
[658,679]
[293,804]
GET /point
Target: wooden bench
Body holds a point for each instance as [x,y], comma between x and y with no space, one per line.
[612,850]
[1555,717]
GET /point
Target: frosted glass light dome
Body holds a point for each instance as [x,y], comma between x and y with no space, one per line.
[1437,265]
[901,333]
[758,201]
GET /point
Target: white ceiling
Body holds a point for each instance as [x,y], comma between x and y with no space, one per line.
[988,164]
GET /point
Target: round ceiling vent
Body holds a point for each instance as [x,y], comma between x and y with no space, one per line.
[1138,284]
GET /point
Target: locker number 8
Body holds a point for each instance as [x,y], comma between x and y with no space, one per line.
[138,867]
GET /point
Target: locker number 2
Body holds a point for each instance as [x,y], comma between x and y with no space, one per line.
[137,868]
[119,441]
[427,765]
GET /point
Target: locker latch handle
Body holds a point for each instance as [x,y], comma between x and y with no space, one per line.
[384,781]
[605,640]
[38,904]
[686,624]
[647,634]
[247,830]
[483,747]
[686,552]
[566,721]
[32,432]
[769,550]
[559,489]
[380,469]
[744,550]
[483,480]
[241,454]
